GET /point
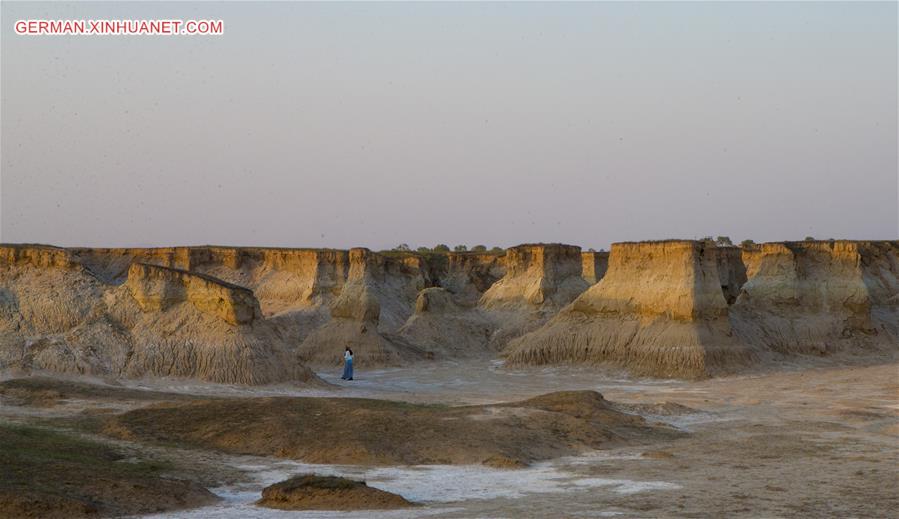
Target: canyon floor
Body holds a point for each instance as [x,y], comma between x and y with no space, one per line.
[807,440]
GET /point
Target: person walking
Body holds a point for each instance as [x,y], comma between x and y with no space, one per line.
[347,364]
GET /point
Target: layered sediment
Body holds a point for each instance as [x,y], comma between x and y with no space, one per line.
[58,315]
[157,288]
[731,272]
[467,275]
[443,329]
[377,298]
[537,276]
[540,279]
[659,310]
[256,315]
[282,279]
[41,256]
[820,297]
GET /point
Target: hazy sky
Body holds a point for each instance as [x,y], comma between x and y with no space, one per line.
[374,124]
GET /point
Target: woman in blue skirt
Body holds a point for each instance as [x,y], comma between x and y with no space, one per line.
[347,364]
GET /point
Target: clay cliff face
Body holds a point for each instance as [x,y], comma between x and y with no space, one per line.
[57,315]
[671,279]
[256,315]
[282,279]
[540,279]
[819,296]
[537,276]
[731,272]
[467,275]
[443,329]
[157,288]
[659,310]
[41,256]
[377,298]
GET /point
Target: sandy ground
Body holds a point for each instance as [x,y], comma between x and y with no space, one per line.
[812,442]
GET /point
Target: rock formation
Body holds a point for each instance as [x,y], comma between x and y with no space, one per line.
[376,300]
[157,288]
[282,279]
[537,276]
[41,256]
[245,315]
[659,310]
[731,272]
[57,315]
[312,492]
[540,279]
[820,297]
[445,330]
[467,275]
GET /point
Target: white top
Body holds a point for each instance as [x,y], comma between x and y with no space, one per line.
[347,356]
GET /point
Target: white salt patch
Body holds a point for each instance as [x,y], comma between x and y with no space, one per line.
[440,488]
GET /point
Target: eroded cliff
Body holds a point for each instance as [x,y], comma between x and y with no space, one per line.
[57,315]
[820,297]
[282,279]
[158,288]
[659,310]
[443,329]
[537,276]
[377,298]
[245,315]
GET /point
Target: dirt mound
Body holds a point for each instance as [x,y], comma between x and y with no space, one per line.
[46,392]
[311,492]
[444,329]
[54,475]
[820,297]
[371,348]
[389,433]
[658,311]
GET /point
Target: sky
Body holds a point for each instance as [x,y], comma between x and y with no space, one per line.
[375,124]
